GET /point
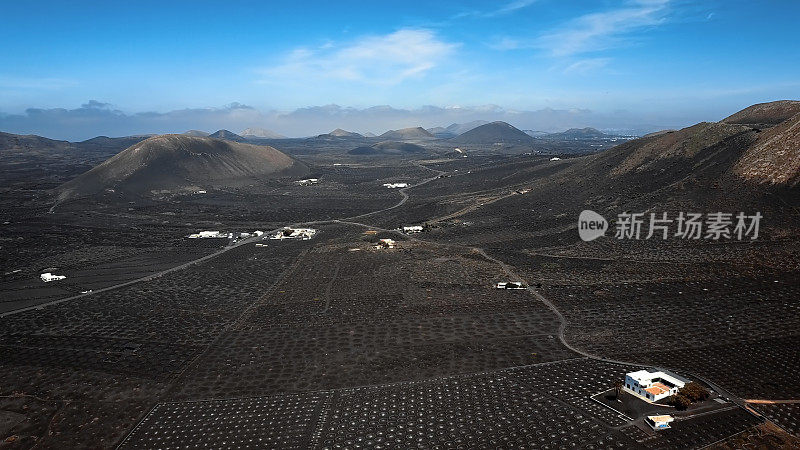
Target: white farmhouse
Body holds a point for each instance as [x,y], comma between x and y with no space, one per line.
[294,233]
[653,386]
[48,277]
[395,185]
[412,229]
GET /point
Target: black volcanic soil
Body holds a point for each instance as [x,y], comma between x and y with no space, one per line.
[331,341]
[388,148]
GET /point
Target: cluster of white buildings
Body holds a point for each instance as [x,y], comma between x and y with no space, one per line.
[294,233]
[209,235]
[412,229]
[653,386]
[395,185]
[220,235]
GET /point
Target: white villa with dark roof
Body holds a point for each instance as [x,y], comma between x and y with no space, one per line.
[653,386]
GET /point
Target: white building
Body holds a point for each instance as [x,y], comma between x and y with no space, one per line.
[48,277]
[386,243]
[308,181]
[555,158]
[659,422]
[294,233]
[653,386]
[509,285]
[395,185]
[412,229]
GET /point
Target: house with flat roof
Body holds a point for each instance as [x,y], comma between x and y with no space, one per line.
[659,422]
[653,386]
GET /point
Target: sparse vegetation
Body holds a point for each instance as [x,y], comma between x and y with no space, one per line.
[695,392]
[680,402]
[691,393]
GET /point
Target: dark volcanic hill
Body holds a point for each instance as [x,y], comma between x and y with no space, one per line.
[715,166]
[339,134]
[459,128]
[388,148]
[578,133]
[175,163]
[227,135]
[771,113]
[195,133]
[408,133]
[108,143]
[775,157]
[441,132]
[260,133]
[491,133]
[31,144]
[344,133]
[704,168]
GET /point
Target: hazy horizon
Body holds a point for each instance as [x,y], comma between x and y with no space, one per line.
[100,119]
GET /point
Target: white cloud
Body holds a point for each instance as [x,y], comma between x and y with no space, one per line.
[508,8]
[587,65]
[507,43]
[603,30]
[377,60]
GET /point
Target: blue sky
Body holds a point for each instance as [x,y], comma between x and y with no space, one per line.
[647,63]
